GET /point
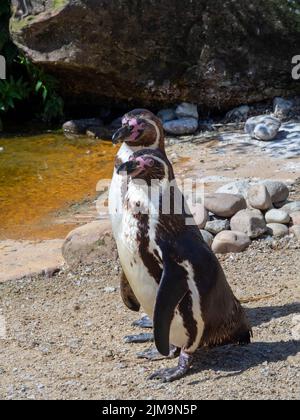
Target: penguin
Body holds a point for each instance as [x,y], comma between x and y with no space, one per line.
[140,129]
[173,274]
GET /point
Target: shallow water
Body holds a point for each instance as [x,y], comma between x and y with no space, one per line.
[44,173]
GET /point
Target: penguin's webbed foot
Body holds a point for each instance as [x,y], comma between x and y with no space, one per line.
[153,355]
[139,339]
[173,374]
[144,322]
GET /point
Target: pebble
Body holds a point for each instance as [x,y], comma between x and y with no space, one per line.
[181,126]
[295,216]
[250,222]
[216,226]
[229,241]
[295,231]
[224,205]
[110,290]
[277,216]
[278,190]
[282,107]
[259,197]
[262,127]
[277,230]
[208,237]
[237,188]
[238,114]
[186,110]
[291,207]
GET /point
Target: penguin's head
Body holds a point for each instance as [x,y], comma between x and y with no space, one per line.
[147,164]
[141,128]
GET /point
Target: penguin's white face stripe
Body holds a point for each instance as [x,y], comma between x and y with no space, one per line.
[197,314]
[155,145]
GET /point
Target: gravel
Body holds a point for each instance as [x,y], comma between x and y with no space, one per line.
[65,336]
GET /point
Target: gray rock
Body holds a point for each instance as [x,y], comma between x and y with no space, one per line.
[277,230]
[263,127]
[259,197]
[238,114]
[250,222]
[277,190]
[200,215]
[181,127]
[216,226]
[237,188]
[277,216]
[166,115]
[77,127]
[282,107]
[186,110]
[224,205]
[291,207]
[295,231]
[295,216]
[208,237]
[88,243]
[229,241]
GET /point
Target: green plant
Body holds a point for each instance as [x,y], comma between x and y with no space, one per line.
[12,91]
[45,86]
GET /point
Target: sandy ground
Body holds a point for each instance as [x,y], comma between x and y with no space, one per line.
[63,337]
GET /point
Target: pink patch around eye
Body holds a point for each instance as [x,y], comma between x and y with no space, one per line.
[133,122]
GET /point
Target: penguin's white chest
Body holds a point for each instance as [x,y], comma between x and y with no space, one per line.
[142,283]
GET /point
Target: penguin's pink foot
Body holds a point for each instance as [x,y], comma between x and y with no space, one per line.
[153,355]
[173,374]
[144,322]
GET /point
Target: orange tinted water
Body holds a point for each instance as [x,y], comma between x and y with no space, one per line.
[42,174]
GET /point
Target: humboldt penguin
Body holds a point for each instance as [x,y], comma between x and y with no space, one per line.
[140,129]
[173,274]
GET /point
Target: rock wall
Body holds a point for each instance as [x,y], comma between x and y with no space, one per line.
[217,54]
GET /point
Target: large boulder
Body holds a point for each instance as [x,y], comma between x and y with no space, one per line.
[229,241]
[224,205]
[164,51]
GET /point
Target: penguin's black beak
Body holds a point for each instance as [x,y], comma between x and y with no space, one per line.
[128,167]
[121,135]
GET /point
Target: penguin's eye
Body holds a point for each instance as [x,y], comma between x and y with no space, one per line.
[150,162]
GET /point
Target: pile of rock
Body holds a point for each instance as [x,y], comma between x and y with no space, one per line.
[180,121]
[243,211]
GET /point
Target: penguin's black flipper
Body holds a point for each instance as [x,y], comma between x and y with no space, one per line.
[173,287]
[127,295]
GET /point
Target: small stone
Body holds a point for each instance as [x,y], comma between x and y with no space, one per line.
[238,114]
[295,216]
[200,215]
[166,115]
[110,290]
[208,237]
[237,188]
[181,126]
[259,197]
[250,222]
[282,107]
[224,205]
[295,231]
[229,241]
[277,230]
[263,127]
[78,127]
[291,207]
[278,190]
[186,110]
[216,226]
[277,216]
